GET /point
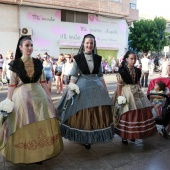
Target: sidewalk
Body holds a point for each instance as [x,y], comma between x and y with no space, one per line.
[149,154]
[152,153]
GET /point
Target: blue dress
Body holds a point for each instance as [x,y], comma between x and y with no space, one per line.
[88,116]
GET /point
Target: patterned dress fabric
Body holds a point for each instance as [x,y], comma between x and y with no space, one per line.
[134,120]
[31,133]
[88,116]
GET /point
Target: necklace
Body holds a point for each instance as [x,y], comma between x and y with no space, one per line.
[25,58]
[29,66]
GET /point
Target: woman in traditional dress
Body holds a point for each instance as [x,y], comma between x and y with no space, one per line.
[87,119]
[31,132]
[134,119]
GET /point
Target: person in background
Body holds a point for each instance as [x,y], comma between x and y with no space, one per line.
[39,57]
[164,67]
[1,63]
[160,64]
[104,63]
[145,70]
[156,63]
[31,133]
[5,70]
[48,71]
[87,116]
[113,64]
[133,119]
[108,69]
[66,69]
[51,59]
[151,66]
[138,64]
[58,72]
[120,60]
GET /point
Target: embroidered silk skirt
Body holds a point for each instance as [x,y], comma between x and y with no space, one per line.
[31,133]
[134,120]
[88,116]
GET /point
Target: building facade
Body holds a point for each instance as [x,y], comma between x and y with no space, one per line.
[58,26]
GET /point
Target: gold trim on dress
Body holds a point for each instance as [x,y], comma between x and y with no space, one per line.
[29,66]
[41,142]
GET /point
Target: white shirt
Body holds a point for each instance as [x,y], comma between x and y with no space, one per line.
[113,64]
[66,69]
[6,69]
[145,64]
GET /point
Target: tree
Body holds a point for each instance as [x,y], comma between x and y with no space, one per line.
[142,35]
[167,36]
[148,35]
[161,39]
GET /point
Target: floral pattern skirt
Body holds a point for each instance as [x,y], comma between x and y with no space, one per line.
[34,142]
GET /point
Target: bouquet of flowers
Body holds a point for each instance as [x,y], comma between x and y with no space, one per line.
[6,107]
[72,90]
[121,100]
[4,81]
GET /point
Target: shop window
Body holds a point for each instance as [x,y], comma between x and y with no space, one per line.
[73,16]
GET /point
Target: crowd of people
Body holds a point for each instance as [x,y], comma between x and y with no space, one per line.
[57,70]
[85,114]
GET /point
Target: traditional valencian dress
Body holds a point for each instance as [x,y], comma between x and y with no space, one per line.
[31,132]
[134,120]
[88,117]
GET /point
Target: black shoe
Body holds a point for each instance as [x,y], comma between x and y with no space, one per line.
[87,146]
[124,141]
[39,163]
[133,140]
[164,133]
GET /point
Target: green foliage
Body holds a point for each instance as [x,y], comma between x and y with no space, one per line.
[167,36]
[148,35]
[161,40]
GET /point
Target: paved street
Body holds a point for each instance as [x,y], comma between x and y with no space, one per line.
[152,153]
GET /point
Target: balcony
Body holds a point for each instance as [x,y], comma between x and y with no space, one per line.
[133,15]
[10,1]
[102,7]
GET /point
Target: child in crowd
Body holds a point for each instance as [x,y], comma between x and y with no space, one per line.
[156,99]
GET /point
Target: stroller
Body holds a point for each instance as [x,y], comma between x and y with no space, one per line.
[164,118]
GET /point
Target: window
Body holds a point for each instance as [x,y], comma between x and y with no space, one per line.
[67,16]
[115,0]
[132,6]
[73,16]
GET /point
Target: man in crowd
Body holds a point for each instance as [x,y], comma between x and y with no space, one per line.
[145,70]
